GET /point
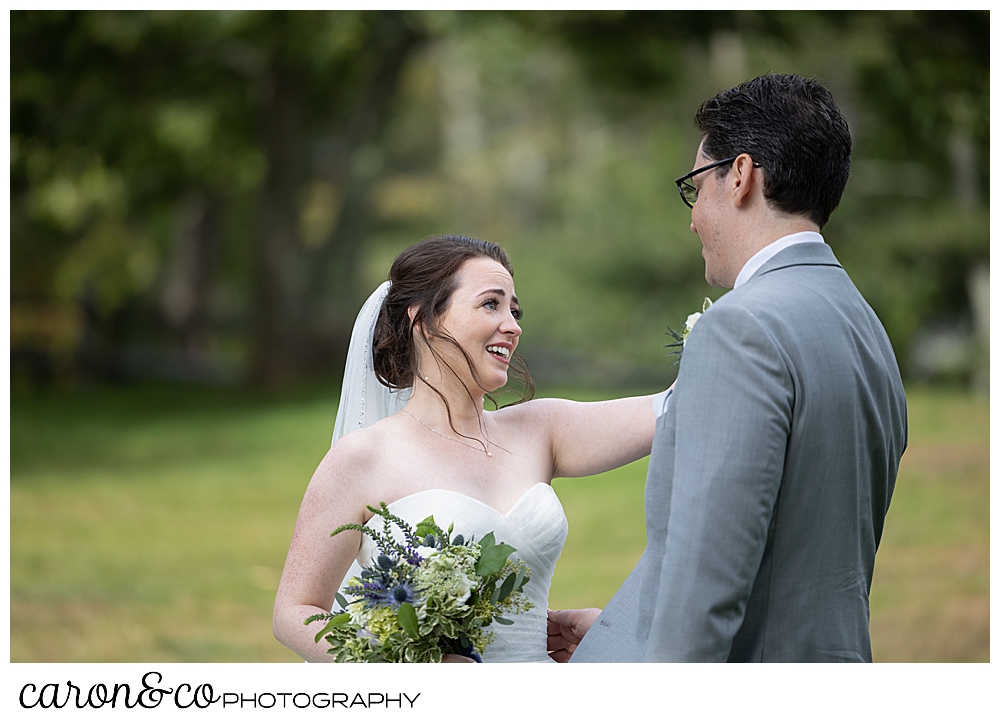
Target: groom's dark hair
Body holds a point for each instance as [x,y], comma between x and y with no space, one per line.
[793,128]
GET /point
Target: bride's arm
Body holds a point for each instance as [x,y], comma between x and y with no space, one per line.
[316,562]
[588,438]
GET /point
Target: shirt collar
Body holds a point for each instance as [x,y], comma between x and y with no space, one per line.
[764,255]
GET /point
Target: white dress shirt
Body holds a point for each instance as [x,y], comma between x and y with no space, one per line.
[765,254]
[661,401]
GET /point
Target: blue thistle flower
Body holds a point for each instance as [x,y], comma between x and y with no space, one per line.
[430,540]
[458,540]
[401,593]
[385,562]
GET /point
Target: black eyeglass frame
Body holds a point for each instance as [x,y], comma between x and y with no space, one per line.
[682,182]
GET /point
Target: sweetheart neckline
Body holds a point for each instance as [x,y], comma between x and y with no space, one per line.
[478,501]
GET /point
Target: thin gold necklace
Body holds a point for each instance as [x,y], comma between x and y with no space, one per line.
[464,444]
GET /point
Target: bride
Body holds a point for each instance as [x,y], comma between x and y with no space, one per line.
[411,431]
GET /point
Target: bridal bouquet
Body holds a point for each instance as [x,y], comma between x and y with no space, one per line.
[429,595]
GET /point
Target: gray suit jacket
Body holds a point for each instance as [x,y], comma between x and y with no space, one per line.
[769,479]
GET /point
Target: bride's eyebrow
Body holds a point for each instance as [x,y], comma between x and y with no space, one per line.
[500,292]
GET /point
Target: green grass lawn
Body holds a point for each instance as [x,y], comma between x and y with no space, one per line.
[151,525]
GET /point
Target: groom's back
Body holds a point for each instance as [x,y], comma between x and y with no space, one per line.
[847,432]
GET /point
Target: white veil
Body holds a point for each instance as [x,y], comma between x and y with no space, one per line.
[364,400]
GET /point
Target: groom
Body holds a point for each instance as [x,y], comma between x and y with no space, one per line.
[775,457]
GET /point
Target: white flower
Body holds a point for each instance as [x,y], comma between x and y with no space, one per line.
[357,611]
[445,576]
[426,552]
[463,587]
[693,318]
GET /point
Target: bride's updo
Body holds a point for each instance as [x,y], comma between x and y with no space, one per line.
[425,276]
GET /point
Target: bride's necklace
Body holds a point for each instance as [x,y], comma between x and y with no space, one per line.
[452,439]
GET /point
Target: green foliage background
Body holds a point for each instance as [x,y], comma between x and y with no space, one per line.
[211,195]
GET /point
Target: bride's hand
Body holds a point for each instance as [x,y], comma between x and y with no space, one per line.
[566,629]
[452,658]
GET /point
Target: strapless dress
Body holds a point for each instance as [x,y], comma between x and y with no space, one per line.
[535,526]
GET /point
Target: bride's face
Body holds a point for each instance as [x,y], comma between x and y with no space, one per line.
[482,317]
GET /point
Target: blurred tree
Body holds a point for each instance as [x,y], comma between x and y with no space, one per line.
[236,181]
[142,141]
[913,230]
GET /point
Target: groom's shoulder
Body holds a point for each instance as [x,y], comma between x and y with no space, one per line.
[769,302]
[794,285]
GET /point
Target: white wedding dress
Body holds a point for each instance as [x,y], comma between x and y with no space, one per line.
[535,526]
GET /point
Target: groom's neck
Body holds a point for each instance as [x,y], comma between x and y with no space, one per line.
[760,232]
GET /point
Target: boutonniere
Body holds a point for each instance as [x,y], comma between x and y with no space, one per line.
[680,337]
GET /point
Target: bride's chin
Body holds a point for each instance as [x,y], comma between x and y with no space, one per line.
[494,386]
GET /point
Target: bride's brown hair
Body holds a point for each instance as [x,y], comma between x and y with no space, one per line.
[425,276]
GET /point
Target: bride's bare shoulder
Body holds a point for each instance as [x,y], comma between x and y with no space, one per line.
[533,411]
[356,455]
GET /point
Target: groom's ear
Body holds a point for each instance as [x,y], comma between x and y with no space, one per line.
[742,179]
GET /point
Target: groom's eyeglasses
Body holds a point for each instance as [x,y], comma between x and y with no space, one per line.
[689,194]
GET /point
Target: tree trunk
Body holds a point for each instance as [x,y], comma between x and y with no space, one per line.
[282,136]
[306,299]
[334,284]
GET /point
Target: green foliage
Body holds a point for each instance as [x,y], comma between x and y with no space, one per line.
[237,182]
[492,556]
[407,619]
[456,591]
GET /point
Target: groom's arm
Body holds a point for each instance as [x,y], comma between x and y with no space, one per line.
[733,403]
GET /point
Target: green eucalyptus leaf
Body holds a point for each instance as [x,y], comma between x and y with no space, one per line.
[407,619]
[492,556]
[508,587]
[504,621]
[335,622]
[427,526]
[341,600]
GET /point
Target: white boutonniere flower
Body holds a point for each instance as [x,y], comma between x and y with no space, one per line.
[680,337]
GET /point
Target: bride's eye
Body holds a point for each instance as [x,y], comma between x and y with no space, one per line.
[517,314]
[491,304]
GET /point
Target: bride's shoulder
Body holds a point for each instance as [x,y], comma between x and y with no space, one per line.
[536,407]
[535,412]
[357,468]
[360,450]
